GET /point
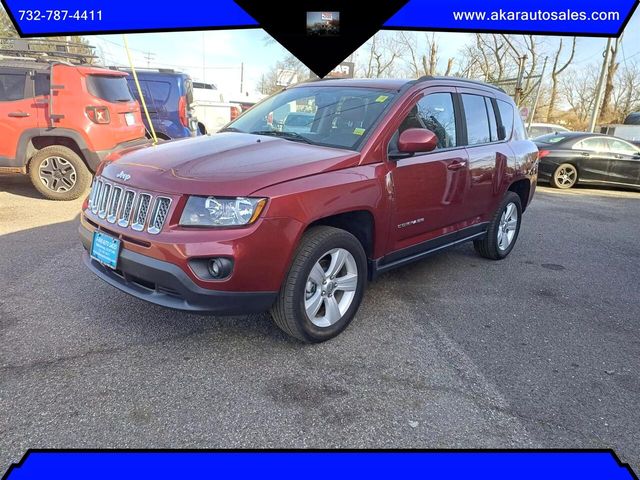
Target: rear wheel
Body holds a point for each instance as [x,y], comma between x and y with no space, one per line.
[324,287]
[59,173]
[565,176]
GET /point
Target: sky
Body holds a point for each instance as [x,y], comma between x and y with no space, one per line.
[222,52]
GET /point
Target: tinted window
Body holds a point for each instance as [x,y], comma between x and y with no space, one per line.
[158,91]
[506,115]
[11,86]
[618,146]
[109,87]
[475,112]
[438,115]
[596,144]
[493,126]
[42,84]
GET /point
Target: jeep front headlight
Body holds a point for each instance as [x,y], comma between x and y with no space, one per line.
[221,211]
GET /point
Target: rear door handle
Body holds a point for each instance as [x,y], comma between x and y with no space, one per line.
[19,114]
[456,165]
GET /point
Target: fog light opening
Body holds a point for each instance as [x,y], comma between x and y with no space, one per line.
[220,267]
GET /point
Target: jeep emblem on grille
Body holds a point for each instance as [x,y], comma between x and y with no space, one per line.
[123,175]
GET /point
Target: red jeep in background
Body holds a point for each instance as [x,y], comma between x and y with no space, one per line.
[381,173]
[59,120]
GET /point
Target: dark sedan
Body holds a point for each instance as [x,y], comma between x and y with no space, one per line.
[569,158]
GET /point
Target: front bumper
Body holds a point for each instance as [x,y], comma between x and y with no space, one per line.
[166,284]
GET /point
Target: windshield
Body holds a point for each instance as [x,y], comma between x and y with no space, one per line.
[111,88]
[335,117]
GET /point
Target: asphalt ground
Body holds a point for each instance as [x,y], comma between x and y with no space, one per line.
[539,350]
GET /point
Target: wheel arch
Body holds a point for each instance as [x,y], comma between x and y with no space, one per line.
[522,188]
[359,223]
[34,140]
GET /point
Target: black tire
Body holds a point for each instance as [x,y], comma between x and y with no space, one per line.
[289,312]
[56,158]
[488,246]
[572,177]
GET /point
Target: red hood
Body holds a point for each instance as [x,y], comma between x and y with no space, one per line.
[225,164]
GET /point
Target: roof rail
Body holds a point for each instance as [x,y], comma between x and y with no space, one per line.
[40,49]
[425,78]
[144,69]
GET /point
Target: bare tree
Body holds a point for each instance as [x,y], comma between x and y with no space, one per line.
[612,68]
[6,27]
[383,51]
[578,89]
[626,92]
[422,61]
[556,70]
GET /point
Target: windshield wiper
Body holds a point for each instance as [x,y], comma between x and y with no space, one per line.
[286,135]
[231,129]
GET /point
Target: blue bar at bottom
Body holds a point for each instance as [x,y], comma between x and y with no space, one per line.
[158,465]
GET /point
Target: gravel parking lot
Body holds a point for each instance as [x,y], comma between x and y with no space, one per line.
[539,350]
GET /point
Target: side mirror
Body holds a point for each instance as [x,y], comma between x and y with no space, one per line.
[414,140]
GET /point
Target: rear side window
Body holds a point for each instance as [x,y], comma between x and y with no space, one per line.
[493,125]
[109,87]
[595,144]
[475,111]
[519,132]
[506,115]
[11,86]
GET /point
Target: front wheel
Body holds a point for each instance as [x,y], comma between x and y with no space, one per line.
[59,173]
[324,287]
[503,229]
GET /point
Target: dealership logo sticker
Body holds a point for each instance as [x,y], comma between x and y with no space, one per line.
[124,176]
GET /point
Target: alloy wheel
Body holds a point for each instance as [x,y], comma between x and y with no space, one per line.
[566,176]
[57,174]
[507,226]
[331,287]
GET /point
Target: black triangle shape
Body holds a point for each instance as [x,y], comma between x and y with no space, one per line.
[321,51]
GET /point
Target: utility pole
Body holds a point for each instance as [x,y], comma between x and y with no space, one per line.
[522,58]
[535,102]
[149,56]
[600,89]
[204,50]
[241,77]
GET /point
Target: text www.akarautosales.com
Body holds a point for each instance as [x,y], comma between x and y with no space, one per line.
[536,16]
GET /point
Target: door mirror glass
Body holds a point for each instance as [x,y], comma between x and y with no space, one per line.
[414,140]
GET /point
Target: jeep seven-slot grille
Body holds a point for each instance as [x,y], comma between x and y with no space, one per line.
[137,210]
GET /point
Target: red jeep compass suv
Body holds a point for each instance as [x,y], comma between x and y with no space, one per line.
[59,120]
[383,172]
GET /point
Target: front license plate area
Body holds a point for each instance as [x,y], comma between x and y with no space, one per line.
[105,249]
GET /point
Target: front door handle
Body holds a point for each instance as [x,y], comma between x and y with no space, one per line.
[456,165]
[19,114]
[585,154]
